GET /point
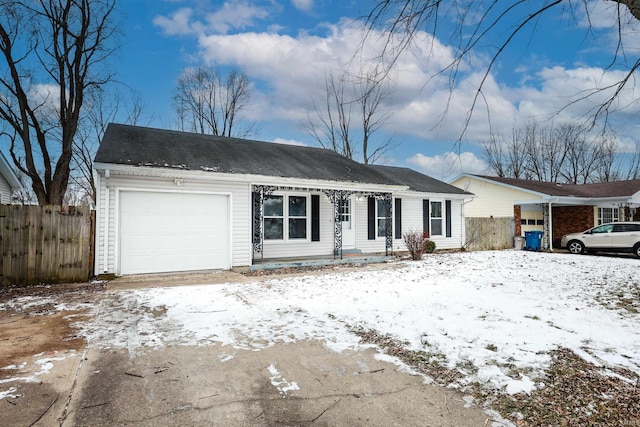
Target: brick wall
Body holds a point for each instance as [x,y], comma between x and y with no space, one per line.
[570,219]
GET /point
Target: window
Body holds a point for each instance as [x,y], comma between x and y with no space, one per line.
[345,213]
[295,216]
[626,228]
[602,229]
[608,215]
[436,218]
[381,217]
[273,218]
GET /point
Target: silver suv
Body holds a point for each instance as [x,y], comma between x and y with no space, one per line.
[611,237]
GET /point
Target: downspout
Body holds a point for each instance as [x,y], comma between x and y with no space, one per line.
[105,237]
[550,237]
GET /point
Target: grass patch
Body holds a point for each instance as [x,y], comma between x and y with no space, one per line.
[573,392]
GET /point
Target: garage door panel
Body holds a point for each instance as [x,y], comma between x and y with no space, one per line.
[163,232]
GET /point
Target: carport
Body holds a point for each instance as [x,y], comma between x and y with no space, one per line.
[562,215]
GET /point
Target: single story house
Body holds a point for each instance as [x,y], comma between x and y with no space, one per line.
[555,209]
[9,182]
[175,201]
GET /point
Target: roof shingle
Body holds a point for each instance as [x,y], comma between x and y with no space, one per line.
[603,189]
[141,146]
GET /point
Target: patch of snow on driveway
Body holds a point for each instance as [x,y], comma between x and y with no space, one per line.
[488,313]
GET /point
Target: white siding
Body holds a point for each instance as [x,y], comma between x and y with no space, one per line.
[242,220]
[412,220]
[491,199]
[240,201]
[306,248]
[5,191]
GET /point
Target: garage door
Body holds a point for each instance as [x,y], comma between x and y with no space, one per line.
[164,232]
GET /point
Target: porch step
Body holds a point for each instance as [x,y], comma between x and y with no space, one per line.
[301,263]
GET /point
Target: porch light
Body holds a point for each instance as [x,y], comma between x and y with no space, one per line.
[177,181]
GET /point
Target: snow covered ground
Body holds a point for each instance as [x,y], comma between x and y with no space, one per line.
[485,312]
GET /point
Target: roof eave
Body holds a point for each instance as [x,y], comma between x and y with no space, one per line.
[250,178]
[9,174]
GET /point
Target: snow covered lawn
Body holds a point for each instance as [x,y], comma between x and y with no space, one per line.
[493,316]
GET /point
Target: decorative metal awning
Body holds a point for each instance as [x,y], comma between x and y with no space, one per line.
[336,197]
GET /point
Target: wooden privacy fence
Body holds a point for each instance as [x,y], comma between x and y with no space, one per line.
[45,244]
[489,233]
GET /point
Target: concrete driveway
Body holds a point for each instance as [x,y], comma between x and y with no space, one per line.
[295,384]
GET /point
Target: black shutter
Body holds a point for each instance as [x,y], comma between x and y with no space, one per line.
[425,217]
[447,213]
[398,221]
[371,220]
[315,218]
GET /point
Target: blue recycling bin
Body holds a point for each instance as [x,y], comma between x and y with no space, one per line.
[533,240]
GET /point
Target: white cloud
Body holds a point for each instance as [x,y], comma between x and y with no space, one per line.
[449,165]
[289,73]
[178,23]
[303,5]
[289,142]
[235,15]
[232,15]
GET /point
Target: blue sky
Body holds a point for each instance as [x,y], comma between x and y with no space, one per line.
[286,47]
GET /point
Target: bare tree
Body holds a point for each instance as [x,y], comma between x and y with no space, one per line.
[563,153]
[206,102]
[330,124]
[496,25]
[634,164]
[54,53]
[373,90]
[102,109]
[507,158]
[495,156]
[333,124]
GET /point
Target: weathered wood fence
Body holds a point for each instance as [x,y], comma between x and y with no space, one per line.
[489,233]
[45,244]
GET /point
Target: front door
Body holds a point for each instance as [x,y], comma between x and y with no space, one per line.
[348,223]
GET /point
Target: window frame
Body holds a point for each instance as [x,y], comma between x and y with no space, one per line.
[287,217]
[433,218]
[615,215]
[378,218]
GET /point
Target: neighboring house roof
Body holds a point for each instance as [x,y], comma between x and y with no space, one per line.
[8,174]
[599,190]
[159,148]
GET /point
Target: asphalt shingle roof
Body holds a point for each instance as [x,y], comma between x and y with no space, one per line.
[416,180]
[141,146]
[603,189]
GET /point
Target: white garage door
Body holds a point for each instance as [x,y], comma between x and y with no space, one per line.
[164,232]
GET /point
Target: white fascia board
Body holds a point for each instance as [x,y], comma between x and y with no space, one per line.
[577,201]
[502,184]
[9,174]
[460,176]
[153,172]
[421,195]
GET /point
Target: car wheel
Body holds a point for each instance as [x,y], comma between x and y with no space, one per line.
[636,250]
[575,247]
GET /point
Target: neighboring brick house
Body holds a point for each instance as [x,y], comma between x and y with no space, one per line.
[544,206]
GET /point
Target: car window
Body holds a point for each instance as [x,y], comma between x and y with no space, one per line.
[620,228]
[602,229]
